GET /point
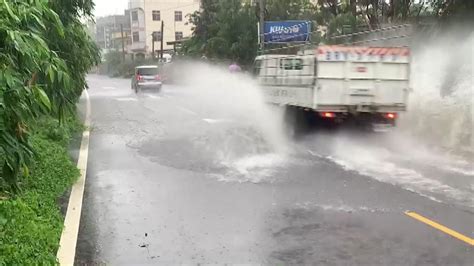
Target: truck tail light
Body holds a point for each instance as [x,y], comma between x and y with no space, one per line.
[157,77]
[328,114]
[391,116]
[139,78]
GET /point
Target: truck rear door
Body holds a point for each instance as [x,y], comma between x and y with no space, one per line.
[362,76]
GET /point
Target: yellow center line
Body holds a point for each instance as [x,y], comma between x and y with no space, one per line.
[440,227]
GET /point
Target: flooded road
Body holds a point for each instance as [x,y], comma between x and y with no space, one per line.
[202,173]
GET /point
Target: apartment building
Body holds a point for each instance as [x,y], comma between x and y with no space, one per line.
[146,17]
[108,31]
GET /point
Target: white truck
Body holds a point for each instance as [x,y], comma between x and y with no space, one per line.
[339,83]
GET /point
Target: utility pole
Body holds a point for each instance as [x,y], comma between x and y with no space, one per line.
[162,37]
[262,24]
[123,43]
[105,37]
[153,45]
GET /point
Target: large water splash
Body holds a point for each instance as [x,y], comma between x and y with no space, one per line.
[441,104]
[244,134]
[431,151]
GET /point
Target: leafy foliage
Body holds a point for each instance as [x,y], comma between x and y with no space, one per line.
[30,222]
[43,61]
[116,67]
[226,29]
[446,8]
[289,10]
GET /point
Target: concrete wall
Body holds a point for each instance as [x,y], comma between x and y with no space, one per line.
[108,32]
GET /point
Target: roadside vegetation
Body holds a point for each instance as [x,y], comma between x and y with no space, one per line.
[115,66]
[228,30]
[45,54]
[30,221]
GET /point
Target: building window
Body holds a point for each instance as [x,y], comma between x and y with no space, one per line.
[134,16]
[157,36]
[178,16]
[178,35]
[156,15]
[136,37]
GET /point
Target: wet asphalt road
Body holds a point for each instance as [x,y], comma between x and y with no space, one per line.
[171,182]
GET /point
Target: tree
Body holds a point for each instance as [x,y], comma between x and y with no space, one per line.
[227,28]
[289,10]
[77,49]
[43,61]
[457,8]
[224,30]
[340,17]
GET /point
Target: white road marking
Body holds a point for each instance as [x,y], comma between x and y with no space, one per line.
[67,245]
[186,110]
[315,154]
[153,96]
[215,121]
[210,121]
[127,99]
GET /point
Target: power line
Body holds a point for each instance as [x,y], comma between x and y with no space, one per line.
[179,7]
[371,31]
[382,39]
[340,36]
[346,35]
[262,35]
[348,43]
[176,7]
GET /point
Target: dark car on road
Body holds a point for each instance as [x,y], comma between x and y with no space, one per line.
[146,78]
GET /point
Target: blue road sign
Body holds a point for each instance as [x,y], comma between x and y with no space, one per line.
[287,31]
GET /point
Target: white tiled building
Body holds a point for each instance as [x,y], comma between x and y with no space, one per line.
[146,17]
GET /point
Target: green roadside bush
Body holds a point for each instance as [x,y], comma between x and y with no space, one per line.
[49,128]
[30,221]
[116,67]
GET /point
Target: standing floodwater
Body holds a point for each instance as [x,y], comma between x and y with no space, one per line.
[242,137]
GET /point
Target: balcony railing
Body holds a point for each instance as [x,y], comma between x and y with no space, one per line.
[137,46]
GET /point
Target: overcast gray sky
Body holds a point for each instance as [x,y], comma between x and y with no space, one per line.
[109,7]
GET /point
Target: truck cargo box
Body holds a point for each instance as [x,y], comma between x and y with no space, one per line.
[338,78]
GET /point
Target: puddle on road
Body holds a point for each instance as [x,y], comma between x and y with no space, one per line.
[229,155]
[409,165]
[334,207]
[418,155]
[239,139]
[242,141]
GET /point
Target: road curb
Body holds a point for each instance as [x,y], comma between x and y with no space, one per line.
[67,245]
